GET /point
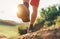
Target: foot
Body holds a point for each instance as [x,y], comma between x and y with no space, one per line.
[31,28]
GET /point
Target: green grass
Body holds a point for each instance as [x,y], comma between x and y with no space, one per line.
[12,31]
[9,31]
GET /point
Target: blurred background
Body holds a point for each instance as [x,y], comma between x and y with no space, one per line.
[48,11]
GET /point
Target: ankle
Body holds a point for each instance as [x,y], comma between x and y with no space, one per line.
[31,27]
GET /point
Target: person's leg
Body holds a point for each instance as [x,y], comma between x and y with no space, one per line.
[26,3]
[34,14]
[34,4]
[33,17]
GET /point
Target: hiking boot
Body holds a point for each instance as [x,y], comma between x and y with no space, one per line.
[31,28]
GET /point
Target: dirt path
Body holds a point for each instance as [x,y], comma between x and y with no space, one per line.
[47,33]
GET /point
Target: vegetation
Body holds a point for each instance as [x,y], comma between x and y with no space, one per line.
[8,31]
[49,15]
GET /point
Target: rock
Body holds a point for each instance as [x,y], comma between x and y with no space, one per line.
[46,33]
